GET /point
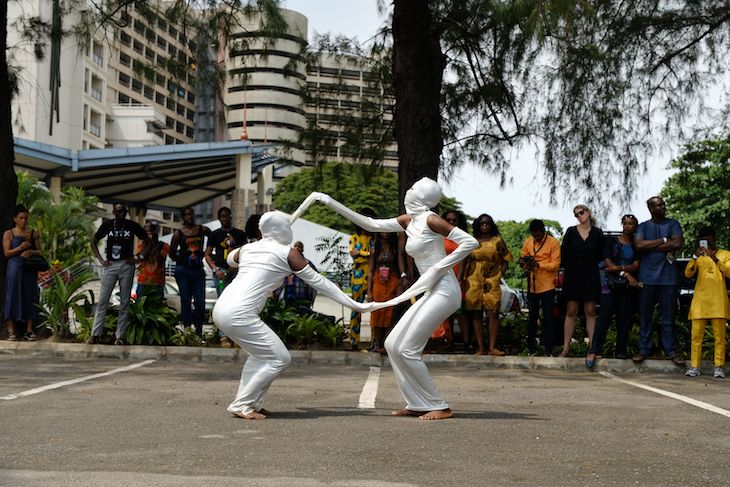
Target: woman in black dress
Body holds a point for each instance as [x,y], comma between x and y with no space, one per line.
[21,284]
[581,251]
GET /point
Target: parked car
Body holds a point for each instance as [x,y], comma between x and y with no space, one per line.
[511,302]
[172,295]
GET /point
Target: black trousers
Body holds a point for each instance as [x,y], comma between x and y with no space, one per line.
[619,302]
[537,302]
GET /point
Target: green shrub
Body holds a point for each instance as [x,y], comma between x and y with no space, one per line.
[151,322]
[64,303]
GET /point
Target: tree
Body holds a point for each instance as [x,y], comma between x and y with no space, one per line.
[586,83]
[697,194]
[65,226]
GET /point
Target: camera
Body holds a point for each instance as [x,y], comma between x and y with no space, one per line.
[528,261]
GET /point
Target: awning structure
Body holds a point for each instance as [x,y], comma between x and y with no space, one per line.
[158,177]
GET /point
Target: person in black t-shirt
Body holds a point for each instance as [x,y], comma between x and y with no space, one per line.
[220,244]
[117,265]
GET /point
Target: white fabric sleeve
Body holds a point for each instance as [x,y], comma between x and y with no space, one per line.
[232,263]
[466,244]
[369,224]
[330,289]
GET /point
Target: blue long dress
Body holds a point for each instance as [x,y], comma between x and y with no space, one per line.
[21,288]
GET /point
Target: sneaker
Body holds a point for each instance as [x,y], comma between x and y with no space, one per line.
[119,341]
[12,337]
[719,373]
[30,336]
[92,340]
[693,372]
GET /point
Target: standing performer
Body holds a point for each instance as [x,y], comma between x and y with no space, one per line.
[426,231]
[262,265]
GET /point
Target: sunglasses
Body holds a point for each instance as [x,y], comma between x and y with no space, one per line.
[579,213]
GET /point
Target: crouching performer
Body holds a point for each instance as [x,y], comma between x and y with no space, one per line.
[262,266]
[426,231]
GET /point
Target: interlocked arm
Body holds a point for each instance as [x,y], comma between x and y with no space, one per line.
[330,289]
[370,224]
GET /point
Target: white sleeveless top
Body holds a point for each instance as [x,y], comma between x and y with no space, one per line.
[424,245]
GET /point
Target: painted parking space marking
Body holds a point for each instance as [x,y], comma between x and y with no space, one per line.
[694,402]
[69,382]
[370,389]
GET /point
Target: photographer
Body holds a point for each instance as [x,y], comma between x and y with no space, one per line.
[710,303]
[540,257]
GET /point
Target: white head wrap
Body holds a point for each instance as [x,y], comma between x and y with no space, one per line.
[423,195]
[275,225]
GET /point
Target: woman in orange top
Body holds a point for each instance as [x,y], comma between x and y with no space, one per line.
[383,280]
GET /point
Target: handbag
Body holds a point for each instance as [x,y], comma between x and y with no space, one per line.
[613,279]
[37,263]
[616,281]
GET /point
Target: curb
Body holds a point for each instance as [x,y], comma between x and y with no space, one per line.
[76,351]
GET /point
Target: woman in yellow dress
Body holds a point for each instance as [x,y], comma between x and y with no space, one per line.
[484,269]
[361,246]
[709,302]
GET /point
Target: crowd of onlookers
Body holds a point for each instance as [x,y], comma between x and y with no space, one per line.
[605,277]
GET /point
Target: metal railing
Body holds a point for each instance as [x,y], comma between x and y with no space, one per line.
[72,272]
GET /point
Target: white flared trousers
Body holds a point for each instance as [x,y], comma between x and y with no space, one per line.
[409,337]
[267,358]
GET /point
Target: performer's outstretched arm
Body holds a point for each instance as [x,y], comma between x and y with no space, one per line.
[370,224]
[306,273]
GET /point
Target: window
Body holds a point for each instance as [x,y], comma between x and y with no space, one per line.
[124,79]
[190,114]
[125,59]
[137,86]
[189,132]
[137,46]
[149,92]
[125,38]
[97,53]
[171,104]
[122,99]
[159,98]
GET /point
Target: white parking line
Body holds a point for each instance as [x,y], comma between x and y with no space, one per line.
[370,389]
[678,397]
[64,383]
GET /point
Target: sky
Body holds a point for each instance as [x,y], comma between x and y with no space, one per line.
[524,196]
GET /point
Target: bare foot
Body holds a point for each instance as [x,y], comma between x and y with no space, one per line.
[496,352]
[405,412]
[251,415]
[479,352]
[564,353]
[438,414]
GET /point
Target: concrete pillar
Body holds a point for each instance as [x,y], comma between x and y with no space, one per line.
[137,214]
[240,196]
[55,188]
[265,188]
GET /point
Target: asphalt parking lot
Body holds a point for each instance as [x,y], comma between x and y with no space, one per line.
[164,423]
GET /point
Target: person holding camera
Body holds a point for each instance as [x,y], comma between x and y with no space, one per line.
[621,265]
[709,302]
[540,257]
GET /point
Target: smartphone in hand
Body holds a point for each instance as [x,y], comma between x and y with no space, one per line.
[703,244]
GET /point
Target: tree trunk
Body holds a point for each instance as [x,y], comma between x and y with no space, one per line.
[418,66]
[8,180]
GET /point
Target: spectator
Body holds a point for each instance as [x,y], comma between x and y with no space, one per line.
[118,266]
[385,267]
[657,240]
[253,233]
[709,302]
[581,251]
[21,284]
[221,242]
[186,249]
[484,269]
[621,265]
[296,291]
[151,271]
[361,245]
[540,257]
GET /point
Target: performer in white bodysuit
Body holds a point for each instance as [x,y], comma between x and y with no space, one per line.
[426,231]
[262,266]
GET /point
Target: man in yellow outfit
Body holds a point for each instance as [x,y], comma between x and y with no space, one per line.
[710,301]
